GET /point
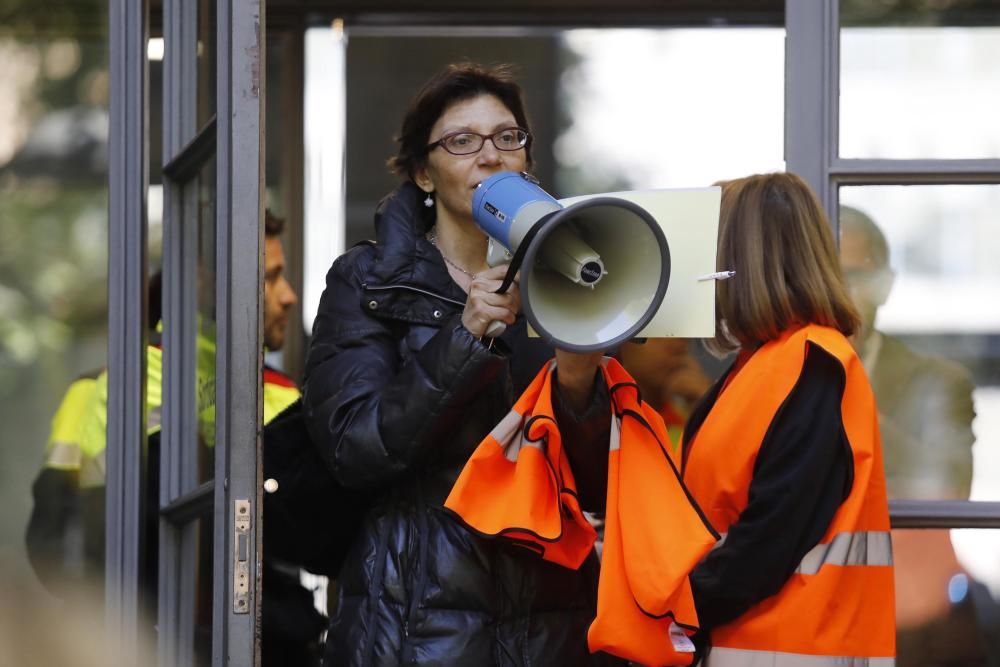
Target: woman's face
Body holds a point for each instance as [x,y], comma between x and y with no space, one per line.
[453,178]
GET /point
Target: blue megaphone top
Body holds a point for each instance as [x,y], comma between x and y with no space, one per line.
[498,200]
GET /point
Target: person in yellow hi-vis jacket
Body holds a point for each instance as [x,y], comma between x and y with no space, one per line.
[65,536]
[55,532]
[54,537]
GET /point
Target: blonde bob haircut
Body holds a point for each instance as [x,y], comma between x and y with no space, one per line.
[774,235]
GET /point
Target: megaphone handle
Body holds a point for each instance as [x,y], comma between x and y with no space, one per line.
[495,328]
[522,249]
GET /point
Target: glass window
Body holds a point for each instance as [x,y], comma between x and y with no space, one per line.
[53,322]
[203,577]
[920,262]
[206,61]
[919,83]
[206,334]
[668,108]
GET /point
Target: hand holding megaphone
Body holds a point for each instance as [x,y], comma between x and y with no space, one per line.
[593,273]
[488,311]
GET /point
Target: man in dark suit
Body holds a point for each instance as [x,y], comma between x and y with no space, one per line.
[925,403]
[925,418]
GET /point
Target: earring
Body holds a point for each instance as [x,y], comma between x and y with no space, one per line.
[429,201]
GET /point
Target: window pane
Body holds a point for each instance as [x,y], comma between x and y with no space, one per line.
[53,321]
[910,90]
[673,121]
[202,612]
[921,264]
[946,613]
[205,345]
[281,197]
[206,60]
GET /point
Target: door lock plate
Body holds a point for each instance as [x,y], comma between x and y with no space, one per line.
[241,557]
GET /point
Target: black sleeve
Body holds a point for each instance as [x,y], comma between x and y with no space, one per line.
[54,538]
[298,529]
[586,438]
[803,473]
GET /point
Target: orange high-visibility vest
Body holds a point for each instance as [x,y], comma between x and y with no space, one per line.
[838,607]
[518,484]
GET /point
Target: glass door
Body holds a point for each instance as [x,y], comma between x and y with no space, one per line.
[209,503]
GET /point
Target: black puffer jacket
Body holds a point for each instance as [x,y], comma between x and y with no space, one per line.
[398,394]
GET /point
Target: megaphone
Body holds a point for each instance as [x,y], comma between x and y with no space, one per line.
[593,274]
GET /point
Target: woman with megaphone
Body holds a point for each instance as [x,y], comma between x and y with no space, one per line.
[402,384]
[783,452]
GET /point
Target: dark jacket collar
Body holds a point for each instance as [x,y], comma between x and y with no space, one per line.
[403,255]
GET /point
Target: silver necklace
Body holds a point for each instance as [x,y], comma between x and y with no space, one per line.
[432,237]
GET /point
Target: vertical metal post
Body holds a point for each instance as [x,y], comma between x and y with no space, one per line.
[812,75]
[178,455]
[128,179]
[239,357]
[293,168]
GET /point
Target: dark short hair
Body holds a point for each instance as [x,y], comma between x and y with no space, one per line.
[774,235]
[457,82]
[273,225]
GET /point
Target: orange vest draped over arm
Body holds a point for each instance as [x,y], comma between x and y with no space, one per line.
[518,484]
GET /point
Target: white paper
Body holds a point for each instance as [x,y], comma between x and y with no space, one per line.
[689,218]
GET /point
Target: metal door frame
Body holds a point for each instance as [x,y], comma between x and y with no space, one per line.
[235,139]
[128,182]
[239,357]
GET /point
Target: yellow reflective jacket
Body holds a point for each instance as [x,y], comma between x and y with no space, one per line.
[279,392]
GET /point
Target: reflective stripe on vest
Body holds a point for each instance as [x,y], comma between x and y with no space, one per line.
[845,549]
[63,448]
[154,421]
[92,470]
[840,599]
[734,657]
[63,456]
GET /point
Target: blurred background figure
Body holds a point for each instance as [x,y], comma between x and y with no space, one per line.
[925,418]
[65,535]
[669,377]
[55,534]
[291,625]
[925,403]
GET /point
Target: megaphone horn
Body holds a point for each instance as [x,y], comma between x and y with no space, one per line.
[593,274]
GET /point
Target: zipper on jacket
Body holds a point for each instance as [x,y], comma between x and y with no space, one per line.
[376,592]
[411,288]
[417,595]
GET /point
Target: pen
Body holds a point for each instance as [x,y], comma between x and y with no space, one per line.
[718,275]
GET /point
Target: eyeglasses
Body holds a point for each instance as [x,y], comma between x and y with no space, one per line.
[864,277]
[467,143]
